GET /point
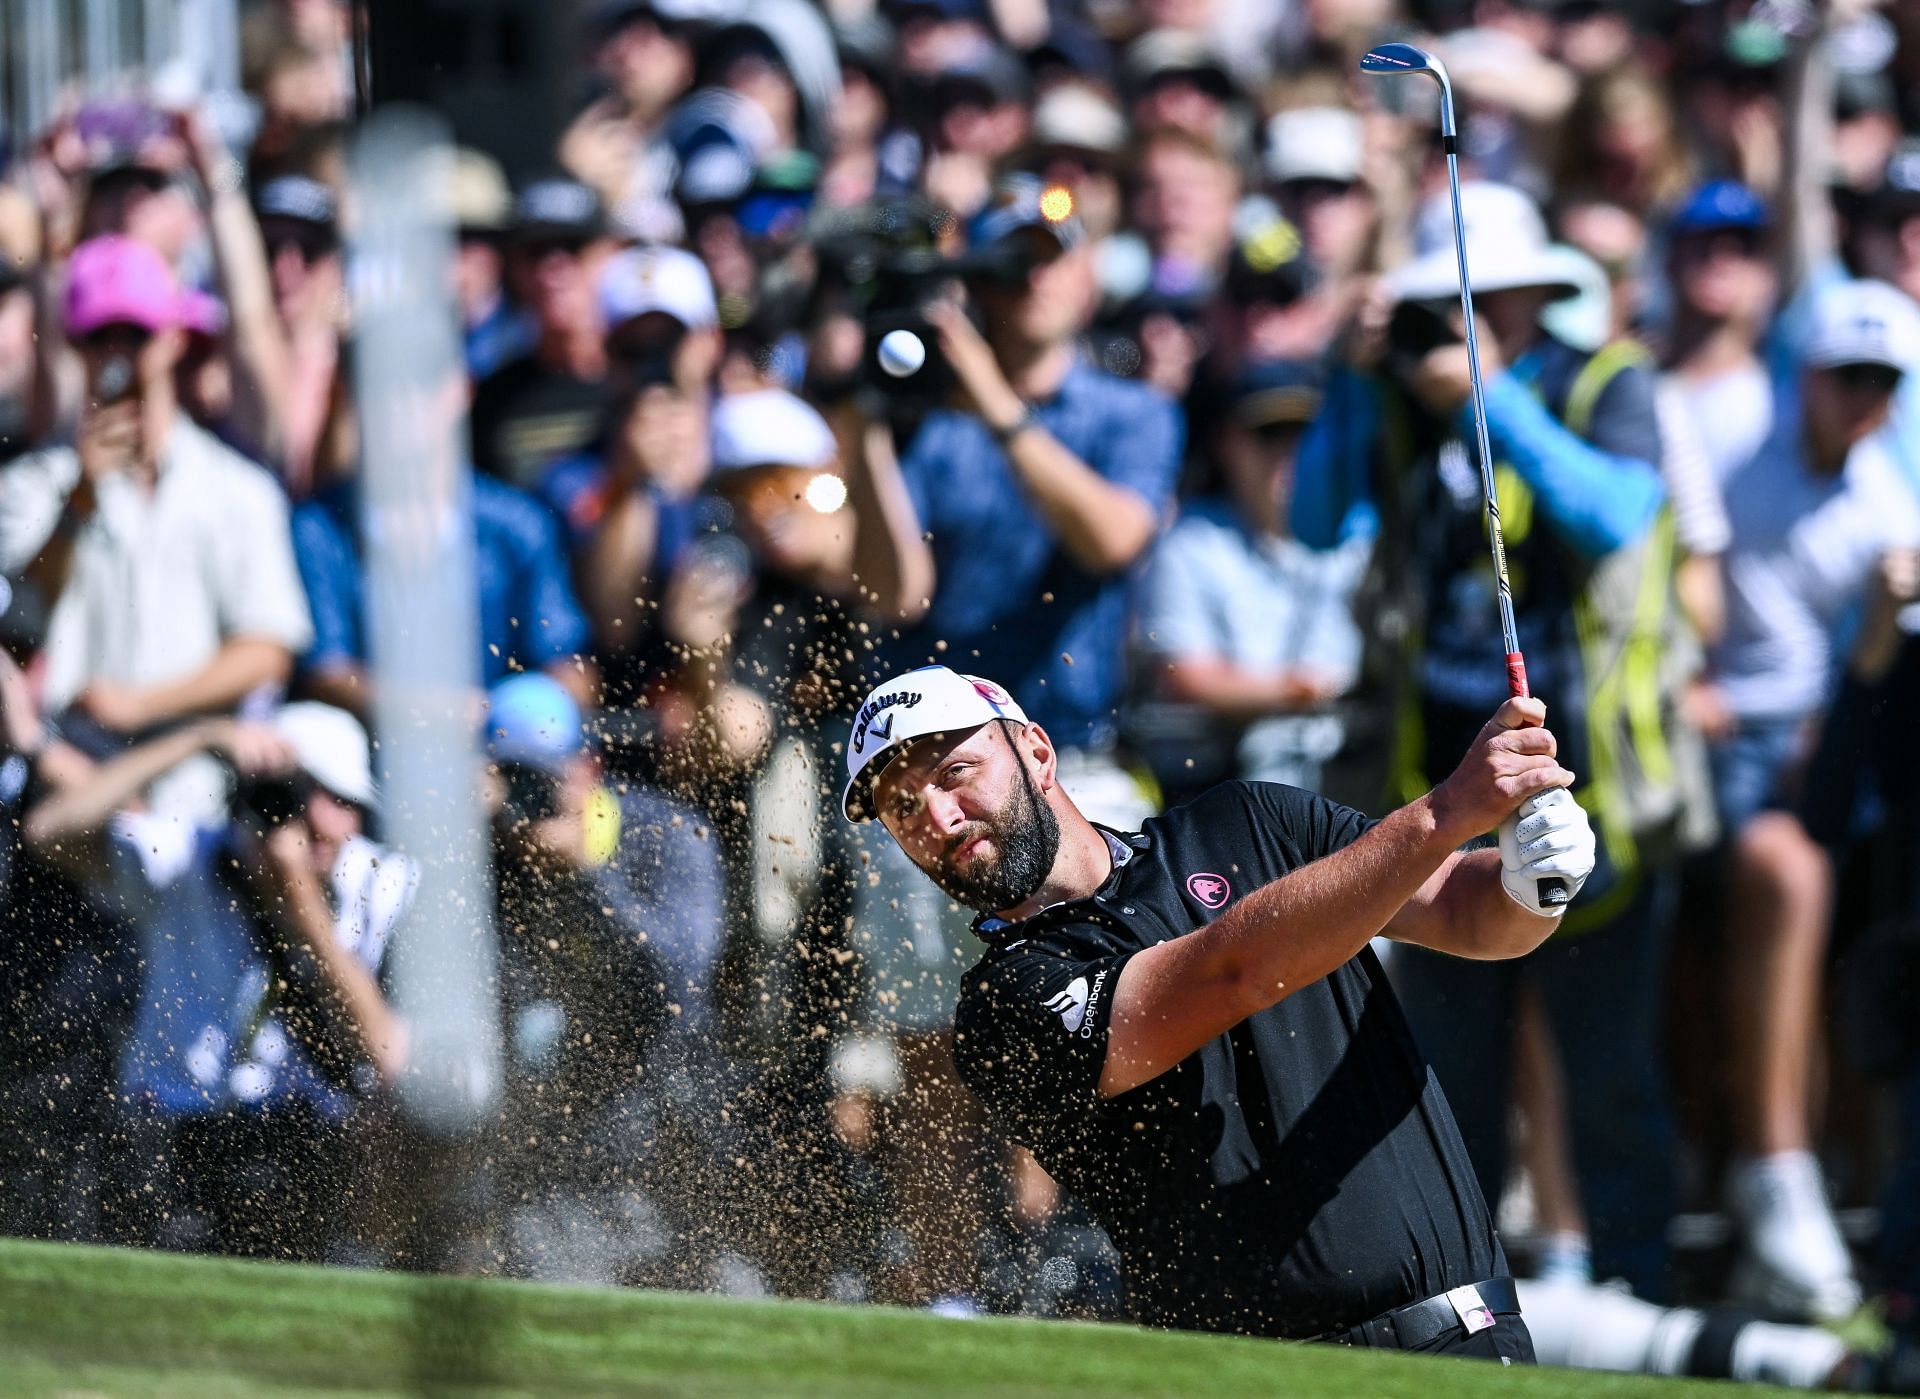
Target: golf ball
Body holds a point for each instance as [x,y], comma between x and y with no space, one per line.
[901,353]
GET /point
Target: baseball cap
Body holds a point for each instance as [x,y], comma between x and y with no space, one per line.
[1721,204]
[670,281]
[988,72]
[608,17]
[297,198]
[1074,116]
[203,313]
[769,427]
[1026,203]
[1272,392]
[931,700]
[331,748]
[1162,53]
[1863,322]
[1314,143]
[559,207]
[534,721]
[481,198]
[115,280]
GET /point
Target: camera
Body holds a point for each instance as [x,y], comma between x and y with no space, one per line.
[886,258]
[1415,329]
[532,795]
[274,800]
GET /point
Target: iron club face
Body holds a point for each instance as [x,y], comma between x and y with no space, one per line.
[1390,60]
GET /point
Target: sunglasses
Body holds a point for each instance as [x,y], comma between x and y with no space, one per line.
[311,243]
[1314,188]
[539,249]
[1863,378]
[121,336]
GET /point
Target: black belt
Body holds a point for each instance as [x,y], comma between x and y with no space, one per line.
[1418,1323]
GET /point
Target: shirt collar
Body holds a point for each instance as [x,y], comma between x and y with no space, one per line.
[991,928]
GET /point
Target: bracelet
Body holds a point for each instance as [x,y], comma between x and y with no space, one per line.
[1028,418]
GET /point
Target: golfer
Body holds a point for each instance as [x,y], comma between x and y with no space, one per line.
[1187,1027]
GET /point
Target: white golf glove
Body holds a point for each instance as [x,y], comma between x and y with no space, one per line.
[1548,837]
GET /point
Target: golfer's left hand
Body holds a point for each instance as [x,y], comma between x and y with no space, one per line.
[1548,837]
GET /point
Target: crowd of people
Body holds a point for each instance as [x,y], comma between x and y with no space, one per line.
[1188,469]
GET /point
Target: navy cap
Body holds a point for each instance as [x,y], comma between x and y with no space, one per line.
[1029,204]
[1276,391]
[297,198]
[559,206]
[1721,204]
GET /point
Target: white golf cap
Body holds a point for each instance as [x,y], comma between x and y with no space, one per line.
[671,281]
[1864,322]
[1507,247]
[930,700]
[1314,143]
[331,748]
[769,427]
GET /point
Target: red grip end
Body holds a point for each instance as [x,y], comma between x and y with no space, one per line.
[1517,675]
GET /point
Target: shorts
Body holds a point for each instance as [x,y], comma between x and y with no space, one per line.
[1750,767]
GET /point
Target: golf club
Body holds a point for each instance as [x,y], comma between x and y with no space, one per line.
[1389,59]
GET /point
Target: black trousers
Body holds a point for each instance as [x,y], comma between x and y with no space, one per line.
[1507,1341]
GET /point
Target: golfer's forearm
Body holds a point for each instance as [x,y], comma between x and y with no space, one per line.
[1477,918]
[1177,995]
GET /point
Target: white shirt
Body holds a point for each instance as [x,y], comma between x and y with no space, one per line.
[1803,549]
[160,579]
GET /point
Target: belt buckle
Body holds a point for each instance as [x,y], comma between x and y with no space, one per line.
[1475,1315]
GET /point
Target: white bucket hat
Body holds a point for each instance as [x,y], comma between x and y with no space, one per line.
[930,700]
[1507,247]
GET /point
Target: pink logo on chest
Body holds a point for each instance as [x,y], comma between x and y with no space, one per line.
[1209,890]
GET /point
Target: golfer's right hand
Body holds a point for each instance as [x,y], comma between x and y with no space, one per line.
[1512,759]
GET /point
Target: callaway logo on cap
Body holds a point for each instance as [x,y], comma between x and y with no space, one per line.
[931,700]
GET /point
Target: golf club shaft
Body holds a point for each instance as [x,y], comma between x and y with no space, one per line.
[1553,892]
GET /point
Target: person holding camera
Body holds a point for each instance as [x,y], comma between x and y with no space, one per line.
[1576,459]
[163,556]
[1005,526]
[608,906]
[259,1023]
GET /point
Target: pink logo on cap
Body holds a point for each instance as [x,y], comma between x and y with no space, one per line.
[992,693]
[1209,890]
[115,280]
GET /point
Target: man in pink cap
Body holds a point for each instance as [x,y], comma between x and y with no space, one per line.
[162,555]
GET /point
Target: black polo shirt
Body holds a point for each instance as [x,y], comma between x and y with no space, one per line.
[1299,1174]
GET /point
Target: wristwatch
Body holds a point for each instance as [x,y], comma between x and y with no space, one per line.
[1005,435]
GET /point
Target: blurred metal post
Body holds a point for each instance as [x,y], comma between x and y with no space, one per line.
[417,521]
[100,40]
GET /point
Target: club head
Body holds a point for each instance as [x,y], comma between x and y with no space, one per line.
[1388,60]
[1402,58]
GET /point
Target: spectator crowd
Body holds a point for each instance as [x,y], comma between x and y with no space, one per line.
[1188,470]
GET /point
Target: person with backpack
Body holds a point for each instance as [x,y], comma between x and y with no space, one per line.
[1577,451]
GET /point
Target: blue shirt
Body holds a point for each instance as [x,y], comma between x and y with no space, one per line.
[1008,601]
[1217,591]
[501,336]
[575,490]
[1592,495]
[529,617]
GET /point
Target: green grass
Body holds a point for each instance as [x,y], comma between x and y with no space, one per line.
[78,1322]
